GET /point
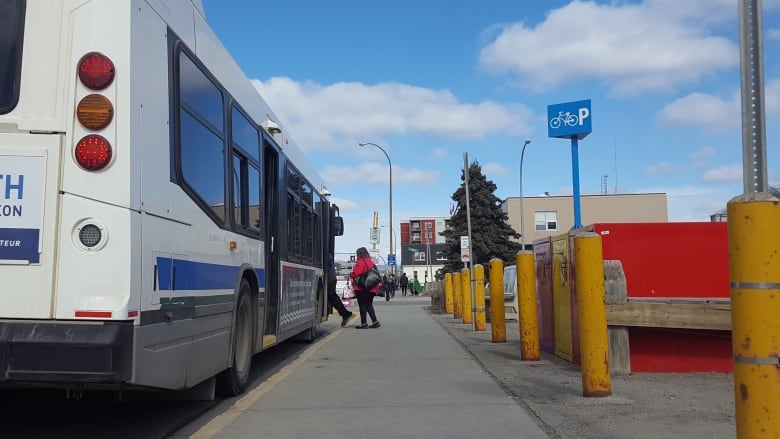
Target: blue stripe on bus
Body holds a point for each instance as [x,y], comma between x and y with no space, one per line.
[191,275]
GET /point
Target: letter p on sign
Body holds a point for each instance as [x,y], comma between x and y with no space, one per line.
[584,113]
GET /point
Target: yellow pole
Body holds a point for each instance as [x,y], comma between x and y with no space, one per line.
[497,313]
[526,301]
[457,296]
[479,298]
[592,313]
[754,270]
[448,306]
[465,280]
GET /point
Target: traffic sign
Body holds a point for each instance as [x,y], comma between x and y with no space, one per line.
[391,259]
[374,237]
[464,249]
[569,119]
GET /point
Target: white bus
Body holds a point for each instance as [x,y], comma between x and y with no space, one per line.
[158,226]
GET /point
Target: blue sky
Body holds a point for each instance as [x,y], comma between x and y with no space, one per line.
[432,80]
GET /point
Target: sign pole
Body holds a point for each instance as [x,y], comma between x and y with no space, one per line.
[468,225]
[575,177]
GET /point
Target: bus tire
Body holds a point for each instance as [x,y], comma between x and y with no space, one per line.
[309,335]
[233,380]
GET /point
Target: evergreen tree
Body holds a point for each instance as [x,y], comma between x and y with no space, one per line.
[490,231]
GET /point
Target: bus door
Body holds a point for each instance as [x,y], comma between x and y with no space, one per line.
[29,174]
[272,233]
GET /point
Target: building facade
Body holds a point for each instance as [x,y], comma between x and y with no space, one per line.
[421,246]
[552,215]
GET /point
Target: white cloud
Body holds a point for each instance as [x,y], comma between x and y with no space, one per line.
[322,116]
[694,203]
[703,110]
[490,169]
[663,168]
[701,159]
[439,154]
[344,204]
[713,113]
[633,48]
[772,96]
[378,174]
[773,34]
[723,174]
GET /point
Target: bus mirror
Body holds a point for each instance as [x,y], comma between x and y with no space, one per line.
[338,226]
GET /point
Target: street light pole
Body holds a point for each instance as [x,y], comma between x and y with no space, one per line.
[390,164]
[428,259]
[522,212]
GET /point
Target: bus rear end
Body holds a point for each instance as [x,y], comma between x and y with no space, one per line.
[67,309]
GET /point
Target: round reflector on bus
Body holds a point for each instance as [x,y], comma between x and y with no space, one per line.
[96,71]
[93,152]
[95,111]
[90,235]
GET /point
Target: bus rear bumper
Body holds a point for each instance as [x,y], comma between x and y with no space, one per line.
[65,352]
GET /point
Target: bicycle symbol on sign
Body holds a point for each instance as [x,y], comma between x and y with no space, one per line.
[566,118]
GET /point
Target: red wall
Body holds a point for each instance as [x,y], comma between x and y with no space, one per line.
[675,261]
[664,260]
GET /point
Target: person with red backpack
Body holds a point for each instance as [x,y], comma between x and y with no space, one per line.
[365,298]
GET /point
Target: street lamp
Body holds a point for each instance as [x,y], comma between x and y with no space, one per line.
[522,212]
[392,243]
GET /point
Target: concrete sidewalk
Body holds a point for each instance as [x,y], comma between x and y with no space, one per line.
[642,405]
[407,379]
[424,374]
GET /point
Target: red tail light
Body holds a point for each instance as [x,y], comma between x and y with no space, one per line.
[93,152]
[96,71]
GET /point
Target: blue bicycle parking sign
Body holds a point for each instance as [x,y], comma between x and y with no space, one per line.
[569,119]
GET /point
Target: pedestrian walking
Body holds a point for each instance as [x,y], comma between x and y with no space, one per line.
[391,283]
[416,288]
[365,298]
[403,282]
[385,287]
[333,298]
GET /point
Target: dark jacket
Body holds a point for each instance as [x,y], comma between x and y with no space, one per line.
[361,266]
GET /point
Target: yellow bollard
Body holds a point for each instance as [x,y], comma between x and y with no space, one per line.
[465,280]
[448,293]
[592,313]
[754,271]
[497,313]
[457,296]
[479,298]
[526,301]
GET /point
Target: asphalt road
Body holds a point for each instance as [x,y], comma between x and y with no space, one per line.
[38,414]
